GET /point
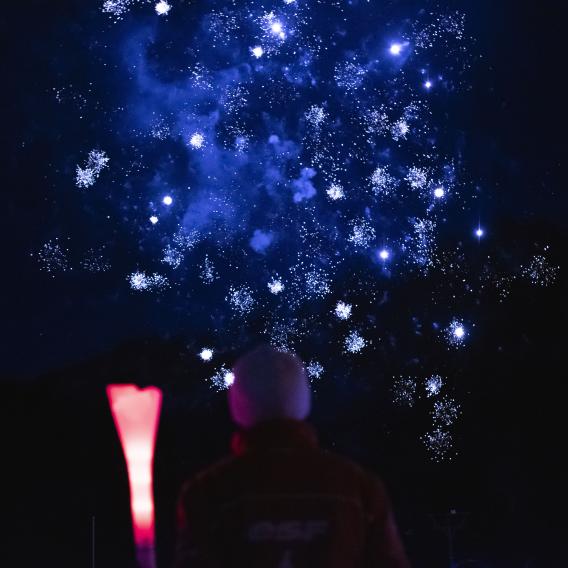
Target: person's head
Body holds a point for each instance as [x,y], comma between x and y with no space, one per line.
[269,384]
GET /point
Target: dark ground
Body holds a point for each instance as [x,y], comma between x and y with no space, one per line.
[64,456]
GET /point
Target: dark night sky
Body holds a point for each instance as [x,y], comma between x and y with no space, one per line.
[509,123]
[76,332]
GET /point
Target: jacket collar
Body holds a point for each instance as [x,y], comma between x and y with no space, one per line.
[274,434]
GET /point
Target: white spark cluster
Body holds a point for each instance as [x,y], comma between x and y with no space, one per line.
[52,257]
[222,379]
[95,262]
[282,332]
[335,192]
[182,242]
[275,286]
[160,130]
[433,385]
[400,130]
[343,310]
[208,274]
[314,370]
[354,342]
[417,178]
[241,299]
[445,412]
[117,8]
[404,391]
[456,333]
[375,122]
[87,176]
[316,116]
[349,76]
[241,142]
[185,240]
[172,256]
[420,244]
[438,440]
[317,283]
[201,78]
[382,183]
[273,31]
[540,271]
[362,233]
[439,443]
[142,282]
[222,25]
[235,98]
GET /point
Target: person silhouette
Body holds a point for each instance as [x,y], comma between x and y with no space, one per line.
[280,500]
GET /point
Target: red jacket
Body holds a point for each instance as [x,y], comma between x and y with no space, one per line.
[281,502]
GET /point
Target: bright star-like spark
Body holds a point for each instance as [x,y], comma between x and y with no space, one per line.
[479,232]
[162,8]
[206,354]
[384,254]
[197,140]
[167,200]
[395,48]
[228,378]
[153,219]
[439,192]
[257,51]
[428,84]
[456,333]
[222,379]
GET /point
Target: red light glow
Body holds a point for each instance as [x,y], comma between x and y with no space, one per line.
[136,413]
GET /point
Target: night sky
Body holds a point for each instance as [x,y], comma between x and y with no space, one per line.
[375,185]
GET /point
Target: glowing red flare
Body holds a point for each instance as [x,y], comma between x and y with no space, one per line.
[136,414]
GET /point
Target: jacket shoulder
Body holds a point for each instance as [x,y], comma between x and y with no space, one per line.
[205,479]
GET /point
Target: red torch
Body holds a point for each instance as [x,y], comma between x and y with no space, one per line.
[136,413]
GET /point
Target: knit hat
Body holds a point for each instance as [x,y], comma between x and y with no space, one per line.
[268,384]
